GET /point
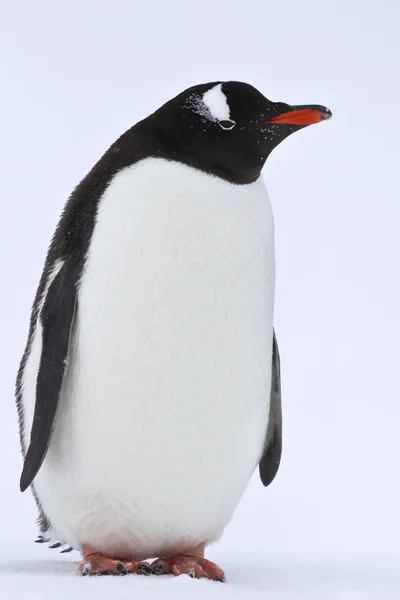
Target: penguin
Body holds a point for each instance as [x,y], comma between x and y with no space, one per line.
[149,390]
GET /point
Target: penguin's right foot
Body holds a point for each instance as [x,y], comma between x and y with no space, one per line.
[94,563]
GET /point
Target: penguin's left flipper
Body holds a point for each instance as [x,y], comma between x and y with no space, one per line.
[271,457]
[57,318]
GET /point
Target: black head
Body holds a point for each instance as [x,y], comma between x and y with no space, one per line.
[226,128]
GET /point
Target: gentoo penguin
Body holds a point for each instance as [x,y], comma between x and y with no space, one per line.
[149,389]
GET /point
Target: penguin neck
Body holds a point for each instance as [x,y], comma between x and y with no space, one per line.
[173,145]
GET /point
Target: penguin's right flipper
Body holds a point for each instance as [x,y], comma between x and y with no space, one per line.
[271,458]
[57,318]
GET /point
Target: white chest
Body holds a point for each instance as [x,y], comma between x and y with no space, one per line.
[165,406]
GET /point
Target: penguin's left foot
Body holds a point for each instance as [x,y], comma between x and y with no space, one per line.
[94,563]
[191,563]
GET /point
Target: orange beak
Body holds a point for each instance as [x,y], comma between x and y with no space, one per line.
[302,115]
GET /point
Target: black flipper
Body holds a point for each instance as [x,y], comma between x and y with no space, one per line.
[271,458]
[56,317]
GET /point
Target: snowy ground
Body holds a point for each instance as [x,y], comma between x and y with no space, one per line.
[29,572]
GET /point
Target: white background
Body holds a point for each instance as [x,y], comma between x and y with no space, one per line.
[75,75]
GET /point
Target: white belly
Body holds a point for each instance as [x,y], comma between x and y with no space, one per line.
[165,405]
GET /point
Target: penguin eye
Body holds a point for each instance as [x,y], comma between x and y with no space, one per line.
[227,124]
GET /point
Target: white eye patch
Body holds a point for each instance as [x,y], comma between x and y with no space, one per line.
[216,103]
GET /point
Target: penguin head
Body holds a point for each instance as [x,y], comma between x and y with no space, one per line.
[228,128]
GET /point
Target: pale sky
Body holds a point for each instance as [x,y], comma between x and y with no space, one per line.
[77,74]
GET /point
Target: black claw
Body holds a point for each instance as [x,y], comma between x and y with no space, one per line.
[159,568]
[121,568]
[220,578]
[87,570]
[57,545]
[69,549]
[41,540]
[145,569]
[191,573]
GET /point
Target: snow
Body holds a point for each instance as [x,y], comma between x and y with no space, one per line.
[40,574]
[329,526]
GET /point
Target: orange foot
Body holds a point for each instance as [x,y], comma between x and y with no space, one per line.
[191,563]
[94,563]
